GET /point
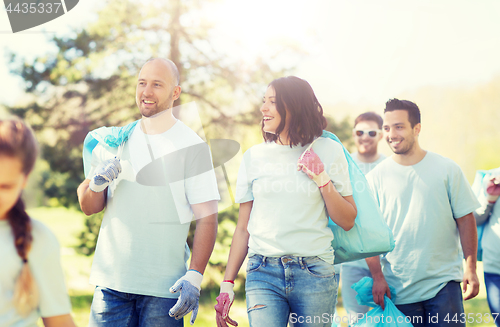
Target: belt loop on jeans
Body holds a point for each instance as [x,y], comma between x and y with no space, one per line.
[302,264]
[263,261]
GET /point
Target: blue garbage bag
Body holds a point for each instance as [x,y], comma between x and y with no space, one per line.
[335,321]
[370,235]
[377,317]
[109,136]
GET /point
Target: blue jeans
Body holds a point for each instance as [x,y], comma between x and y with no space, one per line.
[492,282]
[438,311]
[350,276]
[112,308]
[301,291]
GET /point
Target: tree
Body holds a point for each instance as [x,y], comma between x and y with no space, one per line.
[90,82]
[342,129]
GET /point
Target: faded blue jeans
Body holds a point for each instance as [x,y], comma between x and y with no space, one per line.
[112,308]
[492,282]
[301,291]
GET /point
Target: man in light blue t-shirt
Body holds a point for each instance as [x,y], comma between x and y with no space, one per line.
[367,133]
[428,203]
[150,184]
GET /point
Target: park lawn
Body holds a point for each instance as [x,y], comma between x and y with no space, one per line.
[68,223]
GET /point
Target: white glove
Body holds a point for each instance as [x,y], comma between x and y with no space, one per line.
[105,174]
[190,286]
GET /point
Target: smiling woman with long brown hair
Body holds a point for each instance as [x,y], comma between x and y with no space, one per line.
[287,189]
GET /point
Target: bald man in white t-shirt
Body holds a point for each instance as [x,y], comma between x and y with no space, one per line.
[139,266]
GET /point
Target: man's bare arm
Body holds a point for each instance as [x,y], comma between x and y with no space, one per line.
[468,238]
[205,234]
[380,286]
[90,201]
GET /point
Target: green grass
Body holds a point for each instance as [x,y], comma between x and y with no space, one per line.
[81,308]
[67,224]
[479,310]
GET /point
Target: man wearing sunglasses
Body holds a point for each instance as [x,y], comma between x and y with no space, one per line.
[367,133]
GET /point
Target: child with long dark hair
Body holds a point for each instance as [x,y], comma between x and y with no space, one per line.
[31,277]
[288,187]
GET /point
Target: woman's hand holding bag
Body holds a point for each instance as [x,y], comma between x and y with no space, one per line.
[493,189]
[311,164]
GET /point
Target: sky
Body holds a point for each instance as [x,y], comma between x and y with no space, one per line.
[360,52]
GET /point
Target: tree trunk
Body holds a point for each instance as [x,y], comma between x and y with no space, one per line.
[175,32]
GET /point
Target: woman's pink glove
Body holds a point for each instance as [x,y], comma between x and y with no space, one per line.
[311,164]
[224,302]
[493,189]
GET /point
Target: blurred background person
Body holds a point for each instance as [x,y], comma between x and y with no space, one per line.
[367,133]
[489,214]
[31,277]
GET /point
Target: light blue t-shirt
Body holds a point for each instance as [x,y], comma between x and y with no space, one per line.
[491,234]
[44,261]
[141,247]
[365,167]
[420,204]
[289,216]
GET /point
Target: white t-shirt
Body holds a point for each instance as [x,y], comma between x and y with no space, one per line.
[420,204]
[45,265]
[141,247]
[365,167]
[289,216]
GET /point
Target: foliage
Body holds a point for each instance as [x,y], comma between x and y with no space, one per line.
[88,237]
[90,81]
[342,129]
[218,259]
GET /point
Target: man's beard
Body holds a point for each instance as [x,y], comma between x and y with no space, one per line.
[406,149]
[369,150]
[159,108]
